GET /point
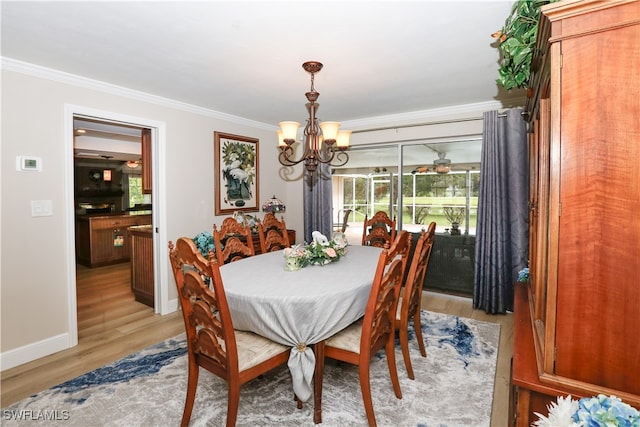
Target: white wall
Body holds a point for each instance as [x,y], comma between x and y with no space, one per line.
[34,275]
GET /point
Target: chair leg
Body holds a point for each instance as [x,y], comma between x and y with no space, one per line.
[298,401]
[232,405]
[417,325]
[391,361]
[318,349]
[404,344]
[365,386]
[192,385]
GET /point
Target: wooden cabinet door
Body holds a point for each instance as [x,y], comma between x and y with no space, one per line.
[598,285]
[146,161]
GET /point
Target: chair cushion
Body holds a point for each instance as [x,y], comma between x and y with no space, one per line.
[254,349]
[348,338]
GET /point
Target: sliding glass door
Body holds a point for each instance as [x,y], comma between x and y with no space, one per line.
[371,183]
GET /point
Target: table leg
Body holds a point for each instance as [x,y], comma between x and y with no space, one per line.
[318,349]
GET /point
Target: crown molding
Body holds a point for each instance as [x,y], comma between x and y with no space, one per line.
[83,82]
[423,116]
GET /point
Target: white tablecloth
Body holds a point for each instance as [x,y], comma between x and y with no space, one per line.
[299,308]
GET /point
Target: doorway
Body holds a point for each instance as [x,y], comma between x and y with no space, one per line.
[110,203]
[156,142]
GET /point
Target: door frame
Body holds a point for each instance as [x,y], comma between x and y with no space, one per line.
[158,200]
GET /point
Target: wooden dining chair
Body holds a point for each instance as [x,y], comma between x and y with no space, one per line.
[409,304]
[342,227]
[273,233]
[378,230]
[235,356]
[232,241]
[360,341]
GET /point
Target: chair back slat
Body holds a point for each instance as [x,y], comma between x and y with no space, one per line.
[273,233]
[378,230]
[379,318]
[412,296]
[402,247]
[232,241]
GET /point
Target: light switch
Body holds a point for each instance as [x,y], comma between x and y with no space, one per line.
[41,208]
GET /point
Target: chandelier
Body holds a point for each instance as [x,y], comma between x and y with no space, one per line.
[323,142]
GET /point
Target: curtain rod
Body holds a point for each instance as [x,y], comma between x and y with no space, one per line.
[441,122]
[522,113]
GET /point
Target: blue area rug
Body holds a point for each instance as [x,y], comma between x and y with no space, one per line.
[453,387]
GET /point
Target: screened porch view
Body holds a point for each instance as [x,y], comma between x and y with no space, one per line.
[445,199]
[449,197]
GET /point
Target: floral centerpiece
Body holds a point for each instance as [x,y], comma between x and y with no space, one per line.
[600,411]
[294,257]
[321,251]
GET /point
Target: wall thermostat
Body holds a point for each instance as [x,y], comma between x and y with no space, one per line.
[28,163]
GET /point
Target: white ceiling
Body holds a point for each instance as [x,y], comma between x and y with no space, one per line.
[244,58]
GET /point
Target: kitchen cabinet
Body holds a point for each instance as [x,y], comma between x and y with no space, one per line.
[142,263]
[104,239]
[584,291]
[146,161]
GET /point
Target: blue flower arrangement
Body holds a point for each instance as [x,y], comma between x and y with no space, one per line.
[204,243]
[523,275]
[600,411]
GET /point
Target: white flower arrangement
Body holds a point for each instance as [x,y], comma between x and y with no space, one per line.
[321,251]
[600,411]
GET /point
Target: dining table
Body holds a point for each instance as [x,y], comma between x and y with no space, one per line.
[300,308]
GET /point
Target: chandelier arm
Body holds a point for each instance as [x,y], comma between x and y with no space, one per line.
[325,155]
[342,157]
[286,156]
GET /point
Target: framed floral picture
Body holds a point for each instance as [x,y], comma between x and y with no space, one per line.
[236,173]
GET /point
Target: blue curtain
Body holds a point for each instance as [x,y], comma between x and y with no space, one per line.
[317,202]
[502,233]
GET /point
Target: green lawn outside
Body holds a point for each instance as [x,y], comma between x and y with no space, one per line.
[435,214]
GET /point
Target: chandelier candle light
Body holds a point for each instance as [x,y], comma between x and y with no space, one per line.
[323,142]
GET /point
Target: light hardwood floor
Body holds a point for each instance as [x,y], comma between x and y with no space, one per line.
[111,325]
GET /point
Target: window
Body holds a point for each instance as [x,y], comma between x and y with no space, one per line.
[444,199]
[369,183]
[135,191]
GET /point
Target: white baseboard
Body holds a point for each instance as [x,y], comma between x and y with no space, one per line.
[21,355]
[172,305]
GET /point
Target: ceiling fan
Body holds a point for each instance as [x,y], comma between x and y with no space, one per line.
[442,164]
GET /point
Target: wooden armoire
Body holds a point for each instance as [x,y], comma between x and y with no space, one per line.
[577,322]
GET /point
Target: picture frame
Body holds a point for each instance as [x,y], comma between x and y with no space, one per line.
[236,169]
